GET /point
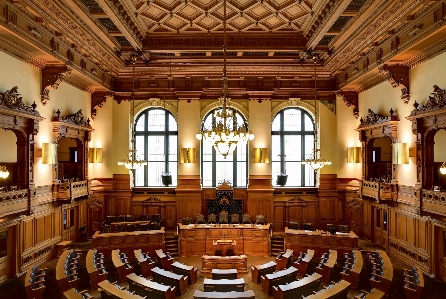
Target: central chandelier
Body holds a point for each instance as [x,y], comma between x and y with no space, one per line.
[132,162]
[315,161]
[4,173]
[225,133]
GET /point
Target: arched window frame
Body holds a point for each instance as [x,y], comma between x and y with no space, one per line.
[236,154]
[305,170]
[168,153]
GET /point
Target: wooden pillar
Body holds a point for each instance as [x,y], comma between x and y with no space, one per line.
[188,193]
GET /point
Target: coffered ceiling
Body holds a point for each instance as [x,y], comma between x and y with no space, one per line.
[270,43]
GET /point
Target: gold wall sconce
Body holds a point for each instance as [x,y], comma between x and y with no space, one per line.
[95,155]
[4,173]
[187,155]
[400,153]
[443,168]
[49,153]
[261,155]
[354,154]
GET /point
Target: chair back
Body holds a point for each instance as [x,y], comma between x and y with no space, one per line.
[200,219]
[131,227]
[230,252]
[218,252]
[293,225]
[144,226]
[246,219]
[187,221]
[2,189]
[119,228]
[155,226]
[106,229]
[343,228]
[110,219]
[156,217]
[129,218]
[212,218]
[331,228]
[223,217]
[235,218]
[120,218]
[144,217]
[260,219]
[307,226]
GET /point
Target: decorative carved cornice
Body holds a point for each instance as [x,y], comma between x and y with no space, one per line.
[398,76]
[52,76]
[73,119]
[12,100]
[350,99]
[373,118]
[437,101]
[98,99]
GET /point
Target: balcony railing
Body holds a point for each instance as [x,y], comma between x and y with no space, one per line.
[378,191]
[433,201]
[14,202]
[71,190]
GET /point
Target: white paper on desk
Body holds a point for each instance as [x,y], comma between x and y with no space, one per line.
[207,226]
[307,231]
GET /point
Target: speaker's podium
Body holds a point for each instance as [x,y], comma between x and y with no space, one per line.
[223,246]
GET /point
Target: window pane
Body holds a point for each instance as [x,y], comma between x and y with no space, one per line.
[241,174]
[155,146]
[275,145]
[156,120]
[139,176]
[276,123]
[292,120]
[172,123]
[309,146]
[173,151]
[275,171]
[294,171]
[207,152]
[141,123]
[309,176]
[308,123]
[155,169]
[173,169]
[292,147]
[224,171]
[207,174]
[139,146]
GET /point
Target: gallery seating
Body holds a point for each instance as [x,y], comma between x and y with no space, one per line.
[413,282]
[189,271]
[110,290]
[299,288]
[200,219]
[144,261]
[219,295]
[303,261]
[260,219]
[382,271]
[153,290]
[223,217]
[75,294]
[212,219]
[260,270]
[35,282]
[286,276]
[235,219]
[164,260]
[372,294]
[170,279]
[224,274]
[95,268]
[352,268]
[66,270]
[121,264]
[224,285]
[325,267]
[333,291]
[283,260]
[246,219]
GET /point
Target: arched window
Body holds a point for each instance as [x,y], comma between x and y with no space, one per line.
[214,167]
[156,139]
[293,142]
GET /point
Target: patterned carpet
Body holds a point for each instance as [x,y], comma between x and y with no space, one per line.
[13,288]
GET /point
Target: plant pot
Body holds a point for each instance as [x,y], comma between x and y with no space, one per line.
[166,179]
[281,179]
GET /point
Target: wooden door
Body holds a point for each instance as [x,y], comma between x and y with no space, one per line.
[94,219]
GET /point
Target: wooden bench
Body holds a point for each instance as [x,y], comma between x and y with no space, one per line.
[66,270]
[268,281]
[170,279]
[185,270]
[413,282]
[260,270]
[325,267]
[153,290]
[224,295]
[302,262]
[144,262]
[224,285]
[112,291]
[74,294]
[283,260]
[121,264]
[382,271]
[35,282]
[164,260]
[372,294]
[352,268]
[224,273]
[296,289]
[95,268]
[334,291]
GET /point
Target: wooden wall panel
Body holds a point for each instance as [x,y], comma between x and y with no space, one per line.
[40,222]
[423,235]
[57,224]
[327,208]
[410,230]
[279,215]
[28,235]
[367,220]
[393,222]
[402,227]
[48,227]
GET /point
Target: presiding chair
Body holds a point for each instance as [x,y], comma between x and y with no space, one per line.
[307,226]
[144,217]
[260,219]
[223,217]
[212,218]
[246,219]
[187,221]
[235,219]
[230,252]
[200,219]
[218,252]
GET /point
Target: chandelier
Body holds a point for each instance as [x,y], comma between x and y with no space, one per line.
[225,134]
[132,162]
[315,161]
[4,173]
[443,168]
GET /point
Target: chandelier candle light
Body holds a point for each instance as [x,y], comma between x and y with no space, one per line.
[4,173]
[225,134]
[315,161]
[132,162]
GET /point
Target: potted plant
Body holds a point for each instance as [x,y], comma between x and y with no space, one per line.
[166,179]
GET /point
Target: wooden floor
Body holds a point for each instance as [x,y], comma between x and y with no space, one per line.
[14,288]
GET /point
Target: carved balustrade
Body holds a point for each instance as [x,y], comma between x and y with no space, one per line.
[14,202]
[433,201]
[71,190]
[376,190]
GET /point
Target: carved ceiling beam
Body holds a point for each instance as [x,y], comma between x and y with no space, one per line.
[398,76]
[98,99]
[52,76]
[350,99]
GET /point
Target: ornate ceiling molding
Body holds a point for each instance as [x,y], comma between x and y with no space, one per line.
[52,76]
[398,76]
[98,99]
[350,98]
[22,54]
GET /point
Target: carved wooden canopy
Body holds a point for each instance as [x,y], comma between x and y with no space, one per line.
[72,126]
[375,125]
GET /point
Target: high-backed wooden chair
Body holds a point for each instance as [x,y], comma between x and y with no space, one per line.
[200,219]
[129,218]
[144,217]
[223,217]
[187,221]
[212,218]
[260,219]
[246,219]
[120,218]
[235,219]
[307,226]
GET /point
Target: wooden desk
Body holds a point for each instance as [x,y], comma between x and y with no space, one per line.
[170,279]
[301,240]
[325,268]
[63,280]
[373,294]
[111,289]
[383,283]
[299,288]
[144,262]
[164,262]
[240,263]
[224,295]
[260,270]
[189,271]
[413,282]
[72,294]
[352,274]
[224,245]
[96,275]
[284,260]
[338,290]
[151,289]
[303,261]
[249,239]
[35,282]
[123,268]
[281,277]
[127,242]
[62,246]
[224,285]
[224,273]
